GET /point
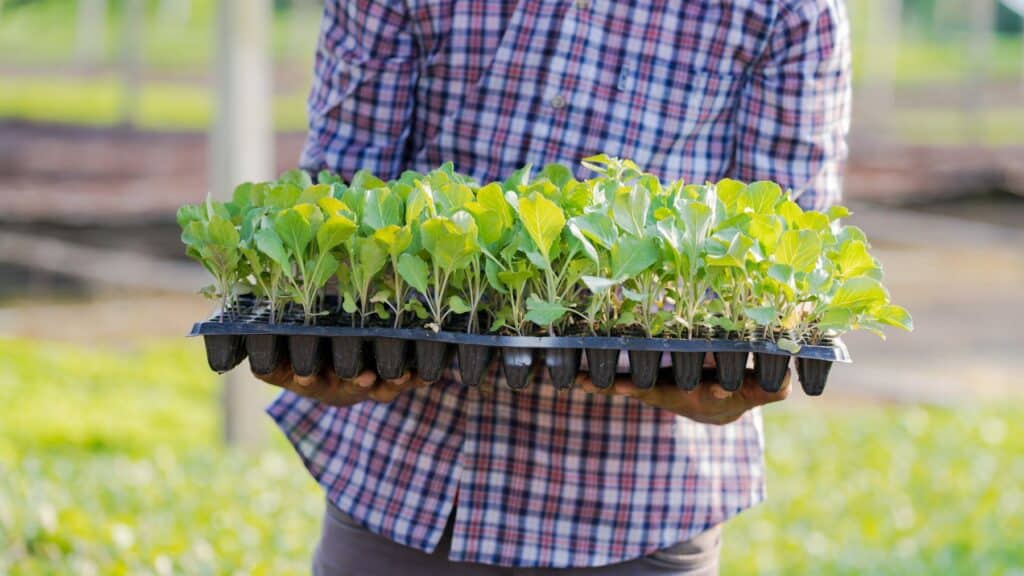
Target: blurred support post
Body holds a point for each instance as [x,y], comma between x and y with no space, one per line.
[1018,8]
[982,28]
[90,30]
[133,21]
[241,145]
[878,96]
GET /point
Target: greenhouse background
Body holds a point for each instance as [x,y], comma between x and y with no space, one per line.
[121,453]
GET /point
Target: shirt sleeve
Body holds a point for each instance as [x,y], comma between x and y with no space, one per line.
[361,104]
[794,112]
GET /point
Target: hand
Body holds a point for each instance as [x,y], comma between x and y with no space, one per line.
[331,390]
[709,403]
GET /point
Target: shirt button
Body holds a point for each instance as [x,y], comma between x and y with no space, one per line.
[582,4]
[558,102]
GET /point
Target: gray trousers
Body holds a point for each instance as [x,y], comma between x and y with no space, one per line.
[346,548]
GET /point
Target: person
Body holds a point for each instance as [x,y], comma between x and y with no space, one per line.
[445,479]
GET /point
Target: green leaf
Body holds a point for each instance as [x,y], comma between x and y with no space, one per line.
[492,212]
[365,180]
[854,260]
[788,345]
[596,227]
[283,195]
[348,302]
[542,220]
[222,232]
[813,221]
[837,320]
[394,238]
[598,285]
[296,177]
[313,194]
[630,208]
[790,212]
[893,315]
[323,269]
[544,313]
[414,271]
[859,294]
[837,212]
[631,256]
[449,248]
[372,256]
[382,208]
[798,249]
[269,243]
[728,192]
[514,279]
[457,305]
[760,197]
[696,217]
[294,229]
[334,232]
[762,315]
[735,251]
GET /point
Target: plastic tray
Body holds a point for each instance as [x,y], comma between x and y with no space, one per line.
[388,351]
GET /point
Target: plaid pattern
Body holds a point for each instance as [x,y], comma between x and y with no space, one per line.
[687,88]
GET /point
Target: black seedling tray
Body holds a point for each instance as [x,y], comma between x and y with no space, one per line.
[389,351]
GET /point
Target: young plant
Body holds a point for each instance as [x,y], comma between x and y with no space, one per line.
[393,292]
[449,248]
[685,233]
[308,239]
[211,238]
[543,221]
[490,230]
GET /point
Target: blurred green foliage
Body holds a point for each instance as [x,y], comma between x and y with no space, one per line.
[43,32]
[110,464]
[97,102]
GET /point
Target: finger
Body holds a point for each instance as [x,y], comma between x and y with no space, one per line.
[365,379]
[625,387]
[307,381]
[589,387]
[401,380]
[409,381]
[386,391]
[718,392]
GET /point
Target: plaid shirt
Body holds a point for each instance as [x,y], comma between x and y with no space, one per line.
[697,89]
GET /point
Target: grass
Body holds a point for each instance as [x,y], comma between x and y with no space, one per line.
[109,464]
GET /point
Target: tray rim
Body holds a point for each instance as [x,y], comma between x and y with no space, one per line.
[836,352]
